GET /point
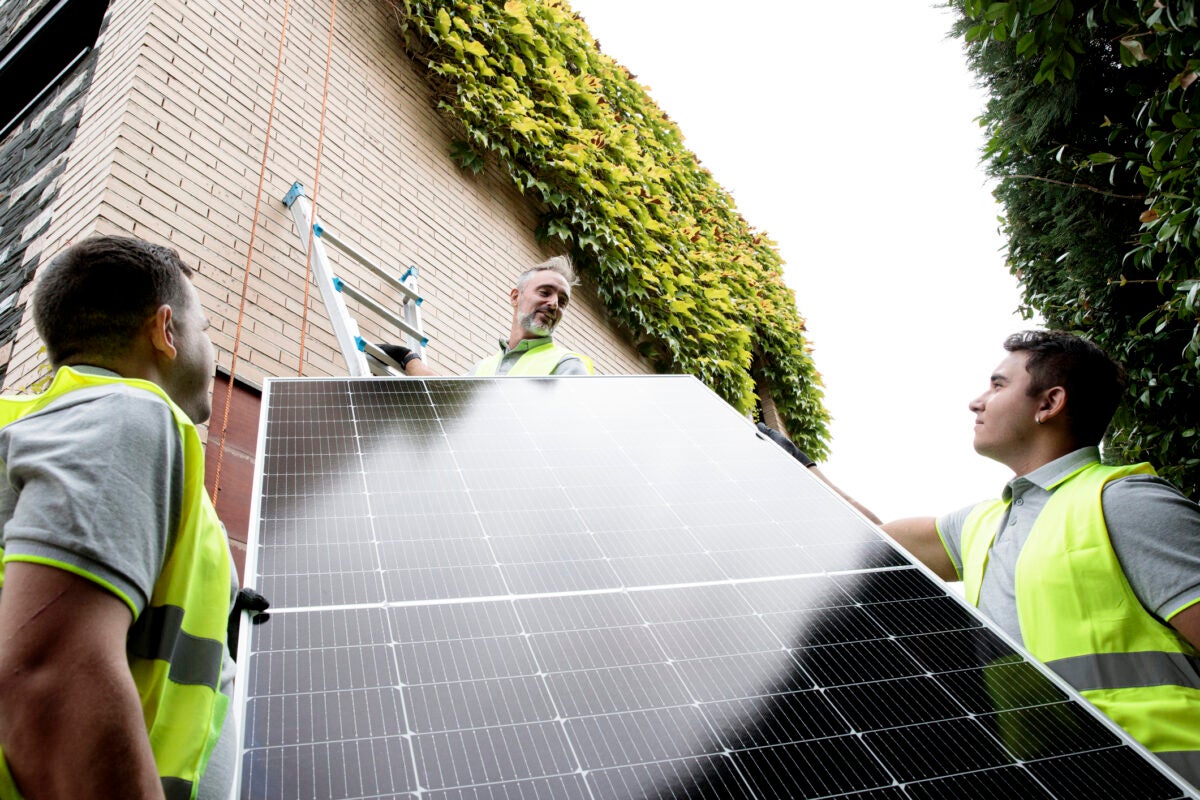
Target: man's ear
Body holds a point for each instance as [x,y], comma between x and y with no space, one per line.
[1053,403]
[162,336]
[513,295]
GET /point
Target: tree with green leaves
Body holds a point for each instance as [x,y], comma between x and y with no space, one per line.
[1092,120]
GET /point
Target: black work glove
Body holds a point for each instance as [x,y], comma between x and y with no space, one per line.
[246,600]
[396,352]
[787,444]
[399,353]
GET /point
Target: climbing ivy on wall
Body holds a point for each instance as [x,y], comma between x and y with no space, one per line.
[671,257]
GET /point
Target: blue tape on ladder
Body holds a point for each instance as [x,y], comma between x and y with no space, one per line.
[317,229]
[338,283]
[424,341]
[361,343]
[297,190]
[407,272]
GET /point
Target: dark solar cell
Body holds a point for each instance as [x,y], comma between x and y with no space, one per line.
[819,768]
[889,704]
[775,719]
[857,662]
[1005,782]
[1115,774]
[944,747]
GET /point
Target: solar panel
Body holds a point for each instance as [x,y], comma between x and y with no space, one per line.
[612,588]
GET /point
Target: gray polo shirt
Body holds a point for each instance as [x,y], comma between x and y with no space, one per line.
[1153,527]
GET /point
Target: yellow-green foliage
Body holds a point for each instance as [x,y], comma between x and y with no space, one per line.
[670,255]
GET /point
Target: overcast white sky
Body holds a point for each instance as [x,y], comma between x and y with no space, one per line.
[849,136]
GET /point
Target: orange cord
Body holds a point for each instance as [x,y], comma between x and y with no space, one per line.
[254,227]
[262,173]
[316,183]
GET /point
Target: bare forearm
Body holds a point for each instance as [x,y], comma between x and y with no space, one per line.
[418,368]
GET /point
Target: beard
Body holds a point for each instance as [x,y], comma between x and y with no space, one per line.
[531,323]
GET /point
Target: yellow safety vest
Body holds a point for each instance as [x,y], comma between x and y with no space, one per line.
[540,360]
[1079,615]
[176,646]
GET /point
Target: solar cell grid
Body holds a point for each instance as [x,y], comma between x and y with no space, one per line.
[612,588]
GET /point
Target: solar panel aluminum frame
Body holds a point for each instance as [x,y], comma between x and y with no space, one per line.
[785,462]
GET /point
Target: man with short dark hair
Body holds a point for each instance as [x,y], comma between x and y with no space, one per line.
[1095,569]
[538,301]
[115,674]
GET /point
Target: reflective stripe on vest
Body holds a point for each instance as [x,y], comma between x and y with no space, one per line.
[176,647]
[1079,615]
[540,360]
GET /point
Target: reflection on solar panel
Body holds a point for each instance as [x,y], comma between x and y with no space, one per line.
[612,588]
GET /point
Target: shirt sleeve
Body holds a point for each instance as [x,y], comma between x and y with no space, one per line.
[571,365]
[1155,532]
[94,486]
[950,530]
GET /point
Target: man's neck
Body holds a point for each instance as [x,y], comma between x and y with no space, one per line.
[1038,458]
[124,367]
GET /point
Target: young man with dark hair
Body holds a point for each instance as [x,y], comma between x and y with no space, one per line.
[538,301]
[1094,568]
[117,582]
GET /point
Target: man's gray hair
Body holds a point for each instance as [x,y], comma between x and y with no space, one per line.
[559,264]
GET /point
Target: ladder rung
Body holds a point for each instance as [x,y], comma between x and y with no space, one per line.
[387,365]
[399,322]
[357,255]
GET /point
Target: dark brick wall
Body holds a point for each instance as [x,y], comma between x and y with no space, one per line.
[32,161]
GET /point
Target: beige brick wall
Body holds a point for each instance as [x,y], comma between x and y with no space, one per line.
[170,146]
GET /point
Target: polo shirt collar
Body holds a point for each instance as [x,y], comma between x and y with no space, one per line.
[1047,476]
[524,344]
[88,369]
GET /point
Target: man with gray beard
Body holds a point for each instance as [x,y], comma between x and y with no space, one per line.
[538,300]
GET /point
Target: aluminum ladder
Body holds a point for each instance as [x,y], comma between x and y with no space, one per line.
[363,358]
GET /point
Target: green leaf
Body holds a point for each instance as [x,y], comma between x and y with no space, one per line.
[1066,65]
[1026,43]
[995,11]
[1132,47]
[1045,71]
